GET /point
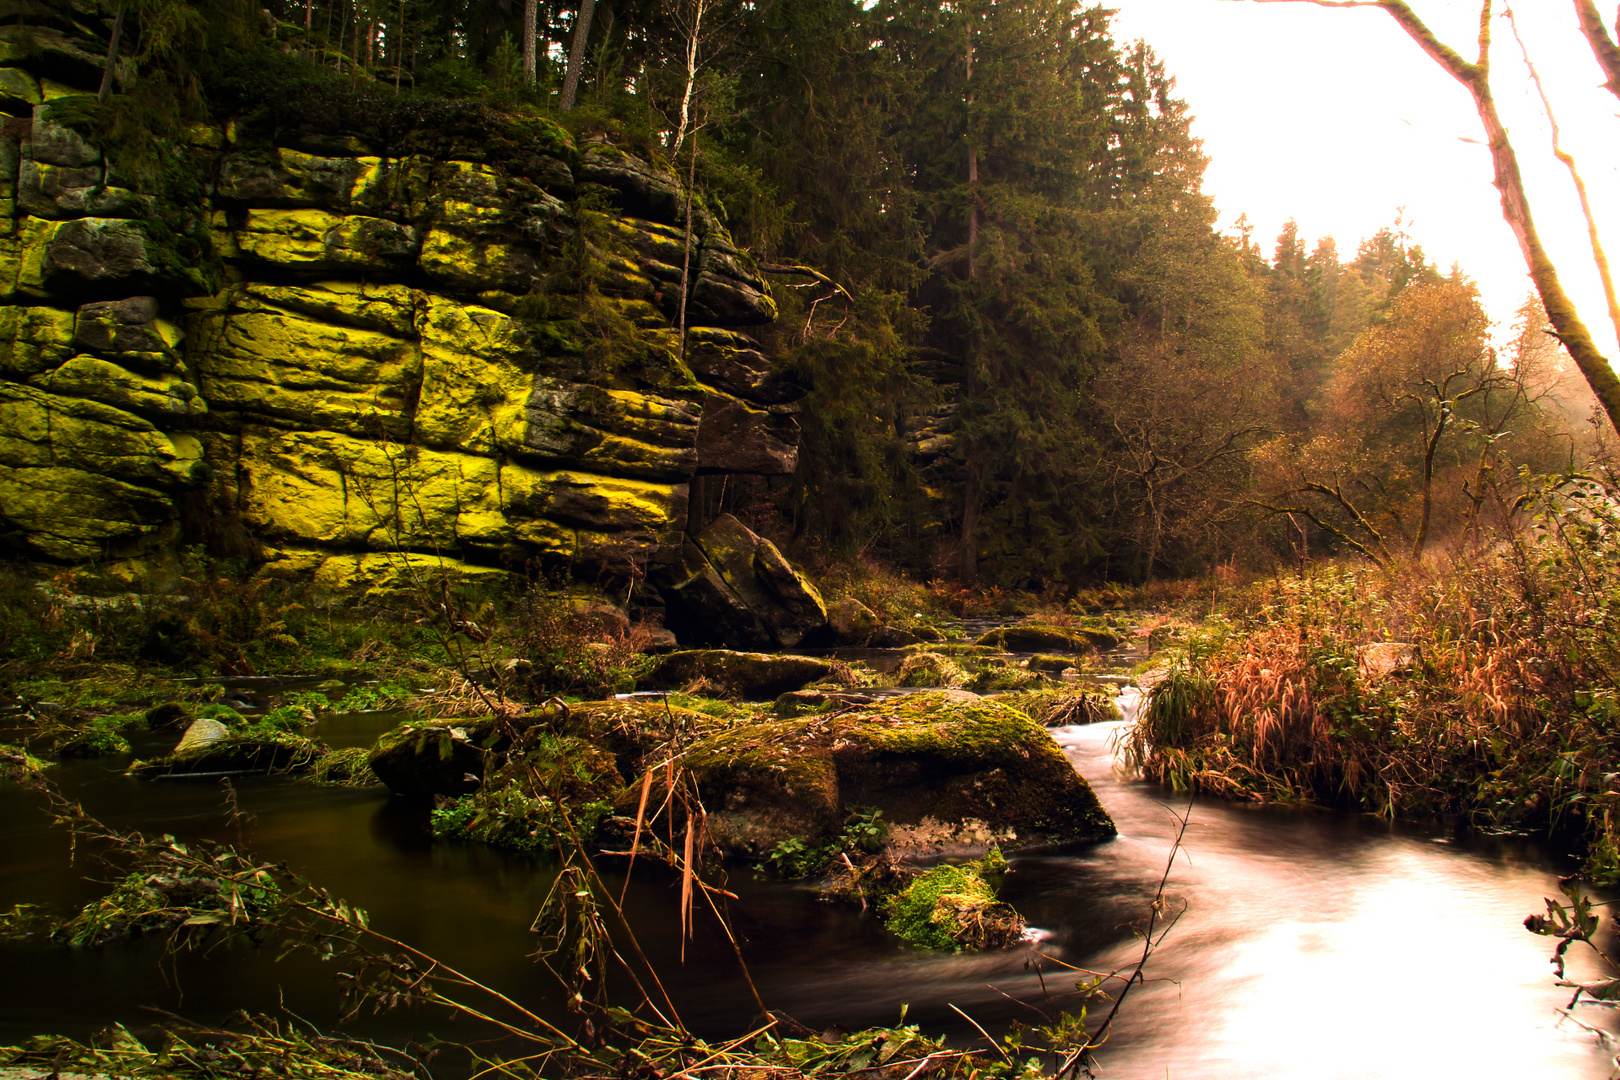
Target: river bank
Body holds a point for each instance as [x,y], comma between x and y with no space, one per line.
[1275,896]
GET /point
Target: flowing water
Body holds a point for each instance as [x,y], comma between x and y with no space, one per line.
[1311,944]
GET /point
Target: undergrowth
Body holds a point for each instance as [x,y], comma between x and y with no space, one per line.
[1488,687]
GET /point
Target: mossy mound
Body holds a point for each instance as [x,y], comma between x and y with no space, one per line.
[954,907]
[19,766]
[752,676]
[1053,664]
[550,789]
[929,669]
[1037,638]
[102,736]
[421,758]
[924,759]
[1002,678]
[348,767]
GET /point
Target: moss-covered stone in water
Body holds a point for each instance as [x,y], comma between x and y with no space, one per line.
[254,750]
[950,767]
[1002,678]
[19,766]
[435,757]
[753,676]
[929,669]
[953,907]
[550,789]
[1033,637]
[1063,706]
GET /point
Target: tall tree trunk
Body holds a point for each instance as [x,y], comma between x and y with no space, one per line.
[112,53]
[530,68]
[686,256]
[692,38]
[576,52]
[973,173]
[970,526]
[399,48]
[309,15]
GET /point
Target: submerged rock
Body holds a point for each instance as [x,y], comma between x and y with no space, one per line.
[949,770]
[752,676]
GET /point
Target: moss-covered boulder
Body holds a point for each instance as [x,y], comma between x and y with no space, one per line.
[1035,637]
[423,758]
[852,622]
[752,676]
[1067,705]
[948,770]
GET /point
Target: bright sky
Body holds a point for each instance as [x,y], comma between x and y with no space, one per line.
[1335,118]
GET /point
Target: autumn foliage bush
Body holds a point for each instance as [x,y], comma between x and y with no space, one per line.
[1504,706]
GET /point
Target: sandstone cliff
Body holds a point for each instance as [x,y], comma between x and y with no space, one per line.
[348,350]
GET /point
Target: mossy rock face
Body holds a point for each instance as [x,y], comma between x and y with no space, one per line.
[435,298]
[752,676]
[930,762]
[435,757]
[1033,637]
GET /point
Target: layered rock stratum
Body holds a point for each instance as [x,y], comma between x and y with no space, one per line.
[344,354]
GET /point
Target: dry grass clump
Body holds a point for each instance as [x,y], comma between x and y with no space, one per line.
[1489,687]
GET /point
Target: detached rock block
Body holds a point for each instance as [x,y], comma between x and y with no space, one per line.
[735,587]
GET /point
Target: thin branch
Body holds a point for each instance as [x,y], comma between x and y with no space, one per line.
[1599,256]
[1603,46]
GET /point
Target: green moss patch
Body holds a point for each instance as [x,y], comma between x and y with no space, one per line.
[954,907]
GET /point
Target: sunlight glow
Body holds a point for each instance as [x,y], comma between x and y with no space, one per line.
[1337,119]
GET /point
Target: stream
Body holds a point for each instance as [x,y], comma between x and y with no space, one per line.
[1312,944]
